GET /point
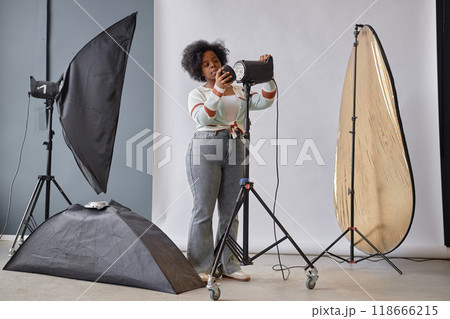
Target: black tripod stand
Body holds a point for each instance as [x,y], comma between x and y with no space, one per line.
[351,191]
[28,222]
[241,253]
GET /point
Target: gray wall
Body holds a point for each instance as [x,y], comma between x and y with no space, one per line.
[23,34]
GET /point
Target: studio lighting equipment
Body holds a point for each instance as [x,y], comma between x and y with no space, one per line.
[43,89]
[250,73]
[87,97]
[253,72]
[99,242]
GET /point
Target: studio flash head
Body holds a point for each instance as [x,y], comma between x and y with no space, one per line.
[254,72]
[43,89]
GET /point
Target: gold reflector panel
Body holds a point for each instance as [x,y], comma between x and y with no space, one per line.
[383,182]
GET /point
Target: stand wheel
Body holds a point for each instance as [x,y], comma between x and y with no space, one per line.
[310,283]
[219,271]
[214,294]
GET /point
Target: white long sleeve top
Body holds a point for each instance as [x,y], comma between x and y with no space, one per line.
[207,110]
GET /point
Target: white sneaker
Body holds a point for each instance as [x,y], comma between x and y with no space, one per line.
[238,275]
[204,276]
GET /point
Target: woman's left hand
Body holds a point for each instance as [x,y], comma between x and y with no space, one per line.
[263,58]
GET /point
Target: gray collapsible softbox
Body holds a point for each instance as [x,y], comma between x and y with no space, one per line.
[112,245]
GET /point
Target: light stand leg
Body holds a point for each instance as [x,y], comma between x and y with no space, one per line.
[329,247]
[211,284]
[61,191]
[310,265]
[28,213]
[379,252]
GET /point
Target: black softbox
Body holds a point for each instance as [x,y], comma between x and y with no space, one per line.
[112,245]
[89,100]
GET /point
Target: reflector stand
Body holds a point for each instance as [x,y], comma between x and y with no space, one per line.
[351,191]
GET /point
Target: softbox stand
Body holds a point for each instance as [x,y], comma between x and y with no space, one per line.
[28,222]
[241,253]
[352,229]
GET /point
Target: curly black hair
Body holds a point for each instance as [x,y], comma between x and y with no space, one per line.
[193,54]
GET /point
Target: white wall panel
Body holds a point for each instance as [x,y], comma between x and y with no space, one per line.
[311,43]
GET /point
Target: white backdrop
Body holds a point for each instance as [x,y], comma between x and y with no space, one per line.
[311,43]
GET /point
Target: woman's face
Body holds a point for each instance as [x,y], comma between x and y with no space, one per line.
[210,65]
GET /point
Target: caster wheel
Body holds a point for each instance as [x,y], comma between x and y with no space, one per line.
[219,271]
[310,283]
[214,295]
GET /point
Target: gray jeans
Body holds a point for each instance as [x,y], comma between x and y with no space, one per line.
[214,169]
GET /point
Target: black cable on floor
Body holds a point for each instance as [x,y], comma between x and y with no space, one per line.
[372,259]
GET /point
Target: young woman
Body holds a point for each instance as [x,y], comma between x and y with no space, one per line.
[216,152]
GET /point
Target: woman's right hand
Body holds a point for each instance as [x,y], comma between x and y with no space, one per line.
[223,80]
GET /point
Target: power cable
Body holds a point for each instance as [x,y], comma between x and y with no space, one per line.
[18,166]
[282,267]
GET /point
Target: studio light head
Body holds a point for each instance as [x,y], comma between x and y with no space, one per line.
[254,72]
[43,89]
[227,68]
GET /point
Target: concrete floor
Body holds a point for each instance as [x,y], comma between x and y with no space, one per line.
[365,281]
